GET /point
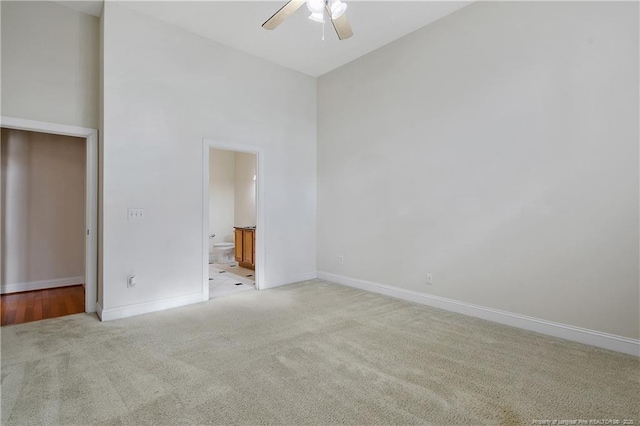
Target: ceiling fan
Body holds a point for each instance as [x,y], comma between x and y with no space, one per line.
[334,8]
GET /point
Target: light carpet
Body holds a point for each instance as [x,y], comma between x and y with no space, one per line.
[308,353]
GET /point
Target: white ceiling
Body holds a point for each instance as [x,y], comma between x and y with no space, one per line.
[297,43]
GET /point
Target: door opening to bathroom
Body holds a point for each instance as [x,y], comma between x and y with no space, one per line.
[231,220]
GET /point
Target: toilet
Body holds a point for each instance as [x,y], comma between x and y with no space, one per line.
[223,253]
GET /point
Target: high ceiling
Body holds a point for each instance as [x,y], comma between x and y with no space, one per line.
[297,43]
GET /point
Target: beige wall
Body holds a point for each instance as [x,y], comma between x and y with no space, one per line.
[221,194]
[43,206]
[498,150]
[245,189]
[50,63]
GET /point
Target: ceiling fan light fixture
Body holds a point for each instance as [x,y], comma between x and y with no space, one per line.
[317,17]
[315,6]
[337,9]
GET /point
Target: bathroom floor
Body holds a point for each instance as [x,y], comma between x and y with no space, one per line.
[228,280]
[236,269]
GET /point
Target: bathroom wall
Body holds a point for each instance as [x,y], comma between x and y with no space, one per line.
[496,149]
[221,194]
[245,193]
[43,210]
[232,192]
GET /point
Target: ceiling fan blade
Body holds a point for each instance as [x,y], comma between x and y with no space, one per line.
[284,12]
[342,27]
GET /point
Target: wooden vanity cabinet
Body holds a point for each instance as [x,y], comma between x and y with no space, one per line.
[238,244]
[245,250]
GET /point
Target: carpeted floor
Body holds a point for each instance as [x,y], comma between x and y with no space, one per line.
[308,353]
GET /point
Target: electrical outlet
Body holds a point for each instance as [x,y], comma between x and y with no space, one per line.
[136,214]
[341,260]
[429,279]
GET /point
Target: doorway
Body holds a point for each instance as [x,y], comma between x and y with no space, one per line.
[232,218]
[48,261]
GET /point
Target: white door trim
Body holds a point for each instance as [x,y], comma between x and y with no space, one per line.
[207,144]
[91,199]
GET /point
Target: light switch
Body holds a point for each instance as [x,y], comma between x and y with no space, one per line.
[136,214]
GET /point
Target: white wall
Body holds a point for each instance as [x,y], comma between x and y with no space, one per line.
[498,150]
[245,189]
[221,194]
[164,90]
[50,63]
[43,206]
[101,168]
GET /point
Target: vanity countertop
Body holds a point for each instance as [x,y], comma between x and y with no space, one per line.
[248,228]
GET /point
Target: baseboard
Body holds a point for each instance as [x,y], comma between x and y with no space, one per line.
[289,280]
[147,307]
[582,335]
[99,310]
[41,285]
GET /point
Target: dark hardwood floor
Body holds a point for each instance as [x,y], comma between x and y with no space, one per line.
[18,308]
